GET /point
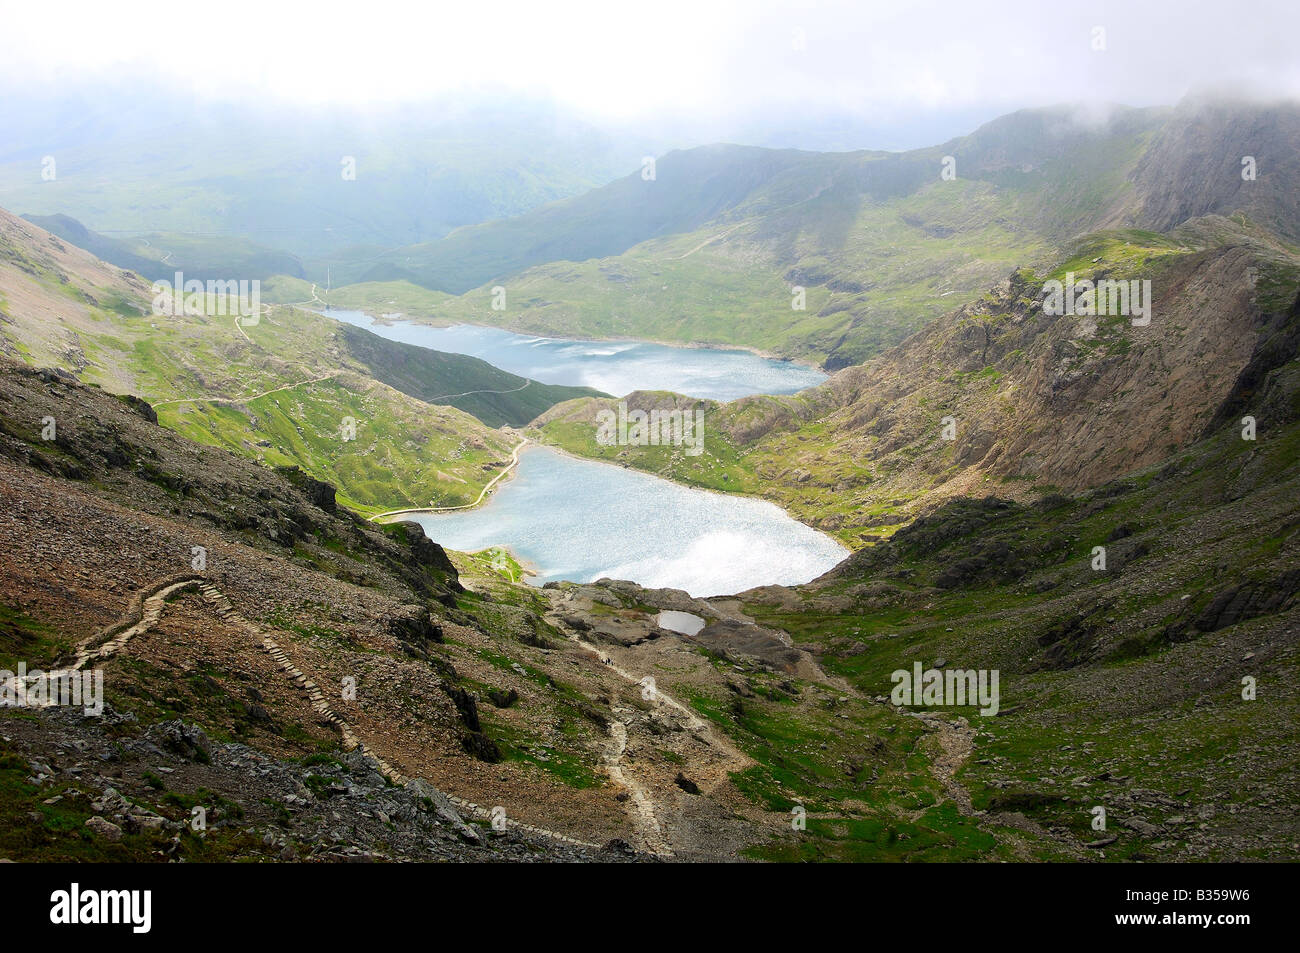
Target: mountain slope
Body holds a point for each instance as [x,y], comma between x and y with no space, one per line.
[1161,687]
[1204,145]
[158,256]
[139,160]
[107,515]
[280,390]
[1036,402]
[689,188]
[1119,688]
[881,243]
[494,396]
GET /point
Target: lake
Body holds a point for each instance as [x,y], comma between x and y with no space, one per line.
[581,520]
[615,367]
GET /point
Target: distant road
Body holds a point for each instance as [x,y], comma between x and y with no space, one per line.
[242,400]
[514,459]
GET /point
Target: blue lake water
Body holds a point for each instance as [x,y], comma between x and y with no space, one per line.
[581,520]
[615,367]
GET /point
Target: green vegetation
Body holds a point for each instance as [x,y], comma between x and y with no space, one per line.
[710,250]
[289,389]
[1098,695]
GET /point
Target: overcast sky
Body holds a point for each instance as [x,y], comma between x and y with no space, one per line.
[708,62]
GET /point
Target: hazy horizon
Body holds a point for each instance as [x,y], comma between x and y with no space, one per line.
[823,76]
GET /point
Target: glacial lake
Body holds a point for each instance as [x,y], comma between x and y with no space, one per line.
[615,367]
[580,520]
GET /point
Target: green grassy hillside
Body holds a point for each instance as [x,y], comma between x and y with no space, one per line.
[288,389]
[713,248]
[1036,402]
[494,396]
[1125,688]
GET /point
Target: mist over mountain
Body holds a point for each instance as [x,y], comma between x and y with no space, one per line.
[135,158]
[700,433]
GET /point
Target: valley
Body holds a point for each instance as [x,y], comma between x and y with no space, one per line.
[710,250]
[439,610]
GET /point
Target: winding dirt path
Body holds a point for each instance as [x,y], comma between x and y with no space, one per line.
[707,242]
[244,400]
[146,609]
[468,393]
[641,808]
[956,741]
[514,459]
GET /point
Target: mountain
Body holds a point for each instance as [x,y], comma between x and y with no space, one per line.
[221,721]
[133,159]
[1125,687]
[879,241]
[1196,165]
[1128,687]
[496,397]
[158,256]
[1037,402]
[690,189]
[1113,530]
[1093,514]
[112,250]
[278,390]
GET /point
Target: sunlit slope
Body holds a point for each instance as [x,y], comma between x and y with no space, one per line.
[374,417]
[713,248]
[1036,402]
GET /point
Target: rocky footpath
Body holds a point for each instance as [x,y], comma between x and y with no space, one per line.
[120,776]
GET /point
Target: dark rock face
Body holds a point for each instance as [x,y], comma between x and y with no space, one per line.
[991,559]
[1070,643]
[686,784]
[481,747]
[503,699]
[415,627]
[472,739]
[1277,345]
[426,552]
[1193,166]
[1248,600]
[318,492]
[954,520]
[140,406]
[188,741]
[466,704]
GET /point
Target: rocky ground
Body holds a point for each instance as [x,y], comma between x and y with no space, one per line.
[139,789]
[485,694]
[329,689]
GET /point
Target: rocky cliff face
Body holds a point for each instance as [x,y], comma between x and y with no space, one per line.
[1194,166]
[1002,392]
[1071,401]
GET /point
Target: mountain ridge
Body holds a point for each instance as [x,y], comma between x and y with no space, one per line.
[878,241]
